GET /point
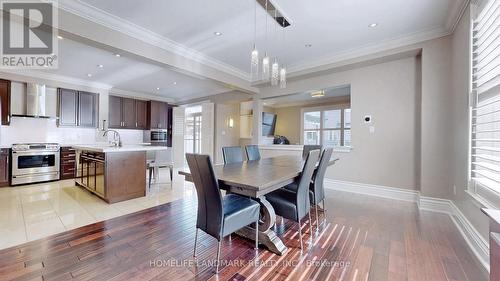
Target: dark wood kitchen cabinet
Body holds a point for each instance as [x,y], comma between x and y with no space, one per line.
[77,108]
[158,115]
[127,113]
[5,101]
[4,167]
[67,163]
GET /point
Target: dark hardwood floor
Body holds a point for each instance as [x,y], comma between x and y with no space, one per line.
[364,238]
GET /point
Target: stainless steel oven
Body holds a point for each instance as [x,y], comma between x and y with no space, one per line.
[156,136]
[35,162]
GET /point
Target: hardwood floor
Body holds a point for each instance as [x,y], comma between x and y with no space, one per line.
[364,238]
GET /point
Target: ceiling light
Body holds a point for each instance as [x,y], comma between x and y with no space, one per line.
[217,33]
[158,88]
[117,55]
[89,75]
[100,65]
[308,45]
[175,83]
[318,94]
[373,25]
[60,37]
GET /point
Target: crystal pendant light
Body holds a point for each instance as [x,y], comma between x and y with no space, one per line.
[265,67]
[275,73]
[283,77]
[254,66]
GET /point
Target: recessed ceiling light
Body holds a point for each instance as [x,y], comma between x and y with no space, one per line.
[100,65]
[175,83]
[308,45]
[217,33]
[373,25]
[60,37]
[158,88]
[117,55]
[89,75]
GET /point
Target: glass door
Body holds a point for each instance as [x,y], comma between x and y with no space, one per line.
[192,137]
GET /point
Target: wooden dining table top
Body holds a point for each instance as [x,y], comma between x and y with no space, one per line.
[257,178]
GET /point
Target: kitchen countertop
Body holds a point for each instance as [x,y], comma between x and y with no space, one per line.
[124,148]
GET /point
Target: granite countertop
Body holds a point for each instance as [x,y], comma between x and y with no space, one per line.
[124,148]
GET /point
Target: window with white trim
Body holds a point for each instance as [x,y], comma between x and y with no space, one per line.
[485,103]
[327,127]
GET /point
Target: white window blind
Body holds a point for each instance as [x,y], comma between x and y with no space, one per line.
[485,143]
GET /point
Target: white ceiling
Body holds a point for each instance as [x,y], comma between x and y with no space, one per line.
[331,94]
[127,73]
[332,27]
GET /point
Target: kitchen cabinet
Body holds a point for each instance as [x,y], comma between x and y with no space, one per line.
[158,115]
[87,110]
[169,125]
[5,101]
[4,167]
[141,111]
[127,113]
[77,108]
[68,163]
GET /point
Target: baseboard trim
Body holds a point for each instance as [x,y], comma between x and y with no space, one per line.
[478,245]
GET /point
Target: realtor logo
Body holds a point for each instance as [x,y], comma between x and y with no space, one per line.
[29,34]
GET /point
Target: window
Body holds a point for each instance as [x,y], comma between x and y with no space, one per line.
[485,104]
[327,127]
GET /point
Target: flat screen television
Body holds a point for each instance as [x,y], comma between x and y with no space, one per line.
[268,123]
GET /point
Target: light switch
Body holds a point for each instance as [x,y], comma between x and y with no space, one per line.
[372,129]
[223,133]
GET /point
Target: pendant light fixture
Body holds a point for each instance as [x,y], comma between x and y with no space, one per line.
[265,60]
[275,67]
[254,60]
[283,69]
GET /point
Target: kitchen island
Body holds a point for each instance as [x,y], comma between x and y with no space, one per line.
[113,173]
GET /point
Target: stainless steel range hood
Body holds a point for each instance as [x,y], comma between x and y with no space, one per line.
[35,101]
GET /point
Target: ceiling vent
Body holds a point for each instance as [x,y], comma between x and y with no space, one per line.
[273,11]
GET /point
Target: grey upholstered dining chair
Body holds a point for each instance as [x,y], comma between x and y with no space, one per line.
[219,216]
[295,205]
[252,152]
[232,154]
[308,148]
[317,189]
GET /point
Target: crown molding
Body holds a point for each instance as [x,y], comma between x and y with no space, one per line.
[56,79]
[455,14]
[111,21]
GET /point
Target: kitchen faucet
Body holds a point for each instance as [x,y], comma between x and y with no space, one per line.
[119,144]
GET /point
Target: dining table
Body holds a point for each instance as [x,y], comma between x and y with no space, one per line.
[255,179]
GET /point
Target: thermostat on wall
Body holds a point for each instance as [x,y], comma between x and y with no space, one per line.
[367,119]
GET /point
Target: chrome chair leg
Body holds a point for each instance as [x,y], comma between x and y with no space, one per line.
[310,224]
[317,220]
[195,240]
[218,261]
[300,237]
[257,234]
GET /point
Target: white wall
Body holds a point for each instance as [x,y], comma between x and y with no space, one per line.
[226,136]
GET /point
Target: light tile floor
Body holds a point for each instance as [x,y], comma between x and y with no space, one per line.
[35,211]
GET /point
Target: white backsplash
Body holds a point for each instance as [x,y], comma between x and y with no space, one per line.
[28,130]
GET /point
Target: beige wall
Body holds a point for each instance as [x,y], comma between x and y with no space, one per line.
[226,136]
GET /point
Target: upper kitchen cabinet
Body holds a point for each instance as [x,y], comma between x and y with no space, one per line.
[77,108]
[5,101]
[158,115]
[127,113]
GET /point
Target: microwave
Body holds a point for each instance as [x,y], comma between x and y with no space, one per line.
[156,136]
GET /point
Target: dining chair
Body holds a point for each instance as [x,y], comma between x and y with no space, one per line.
[232,154]
[252,152]
[218,215]
[295,205]
[316,188]
[155,161]
[308,148]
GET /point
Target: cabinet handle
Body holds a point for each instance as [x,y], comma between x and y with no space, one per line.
[136,124]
